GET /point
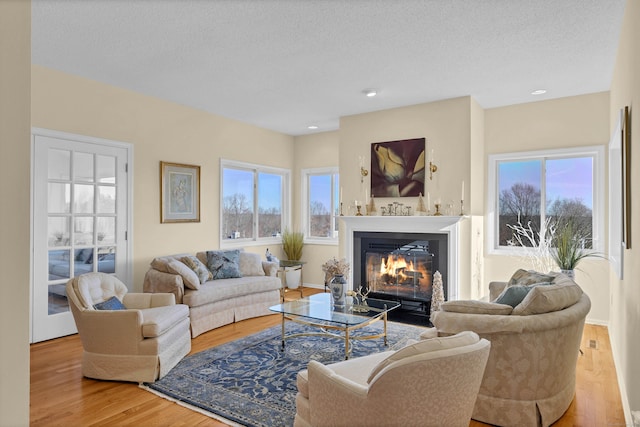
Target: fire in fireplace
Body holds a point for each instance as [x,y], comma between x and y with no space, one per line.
[403,272]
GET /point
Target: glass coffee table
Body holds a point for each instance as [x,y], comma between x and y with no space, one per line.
[337,321]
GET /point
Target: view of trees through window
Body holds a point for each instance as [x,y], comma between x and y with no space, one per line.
[245,192]
[564,184]
[322,207]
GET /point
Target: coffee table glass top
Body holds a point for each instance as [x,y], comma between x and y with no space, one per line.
[320,307]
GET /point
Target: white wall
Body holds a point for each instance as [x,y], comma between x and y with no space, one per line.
[625,294]
[15,59]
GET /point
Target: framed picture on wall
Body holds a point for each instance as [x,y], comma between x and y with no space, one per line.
[179,193]
[398,168]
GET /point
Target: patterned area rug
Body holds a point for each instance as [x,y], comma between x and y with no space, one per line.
[252,382]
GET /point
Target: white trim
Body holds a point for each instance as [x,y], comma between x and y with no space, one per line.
[595,151]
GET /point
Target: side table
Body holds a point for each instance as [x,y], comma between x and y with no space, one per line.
[296,265]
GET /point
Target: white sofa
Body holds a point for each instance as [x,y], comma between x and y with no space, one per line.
[218,302]
[530,377]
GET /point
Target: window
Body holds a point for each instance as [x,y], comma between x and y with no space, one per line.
[320,194]
[553,187]
[254,202]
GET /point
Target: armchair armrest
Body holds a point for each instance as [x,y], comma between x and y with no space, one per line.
[159,282]
[111,331]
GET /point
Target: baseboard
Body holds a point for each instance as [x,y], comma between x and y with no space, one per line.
[313,285]
[628,416]
[597,322]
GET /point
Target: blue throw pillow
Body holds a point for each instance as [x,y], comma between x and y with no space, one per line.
[112,303]
[513,295]
[224,264]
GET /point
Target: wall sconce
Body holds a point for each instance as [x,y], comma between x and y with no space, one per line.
[363,172]
[432,169]
[432,166]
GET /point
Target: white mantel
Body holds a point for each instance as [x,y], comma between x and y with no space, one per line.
[448,225]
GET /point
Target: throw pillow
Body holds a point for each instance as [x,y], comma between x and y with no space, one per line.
[513,295]
[250,264]
[198,267]
[224,264]
[524,277]
[546,299]
[112,303]
[189,277]
[476,307]
[425,346]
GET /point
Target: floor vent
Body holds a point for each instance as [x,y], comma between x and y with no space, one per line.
[593,344]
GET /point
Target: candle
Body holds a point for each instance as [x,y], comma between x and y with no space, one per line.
[462,196]
[340,194]
[366,196]
[428,200]
[431,156]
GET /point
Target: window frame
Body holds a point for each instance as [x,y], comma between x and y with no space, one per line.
[597,152]
[305,213]
[256,169]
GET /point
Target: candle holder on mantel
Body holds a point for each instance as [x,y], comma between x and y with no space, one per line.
[461,207]
[359,210]
[437,212]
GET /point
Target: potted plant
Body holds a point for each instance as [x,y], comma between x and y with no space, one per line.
[292,245]
[569,249]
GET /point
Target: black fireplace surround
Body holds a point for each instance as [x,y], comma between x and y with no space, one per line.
[399,266]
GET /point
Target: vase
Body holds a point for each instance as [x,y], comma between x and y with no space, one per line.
[570,273]
[337,285]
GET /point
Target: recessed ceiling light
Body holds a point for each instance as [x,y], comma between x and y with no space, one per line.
[312,127]
[370,92]
[539,92]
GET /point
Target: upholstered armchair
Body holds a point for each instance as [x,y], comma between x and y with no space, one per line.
[433,382]
[127,336]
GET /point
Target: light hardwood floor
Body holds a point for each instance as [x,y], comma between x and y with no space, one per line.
[60,396]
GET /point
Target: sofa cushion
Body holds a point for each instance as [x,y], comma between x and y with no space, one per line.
[112,303]
[546,299]
[161,263]
[219,290]
[250,264]
[530,277]
[476,307]
[224,264]
[156,321]
[198,267]
[425,346]
[513,295]
[189,277]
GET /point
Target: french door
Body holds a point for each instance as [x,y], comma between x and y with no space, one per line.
[81,214]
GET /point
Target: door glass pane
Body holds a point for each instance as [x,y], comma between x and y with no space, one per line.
[336,201]
[83,198]
[106,169]
[59,264]
[83,167]
[59,163]
[106,229]
[106,199]
[59,198]
[237,215]
[58,302]
[58,231]
[107,259]
[83,261]
[320,192]
[83,231]
[519,188]
[269,204]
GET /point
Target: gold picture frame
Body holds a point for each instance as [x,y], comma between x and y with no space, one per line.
[179,192]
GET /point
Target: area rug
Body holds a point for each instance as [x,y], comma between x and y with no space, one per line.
[251,382]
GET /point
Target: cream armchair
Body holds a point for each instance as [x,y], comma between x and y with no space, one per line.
[139,343]
[433,382]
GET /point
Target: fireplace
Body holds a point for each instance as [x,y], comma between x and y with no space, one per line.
[442,233]
[399,266]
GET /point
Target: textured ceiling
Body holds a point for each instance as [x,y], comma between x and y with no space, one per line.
[287,64]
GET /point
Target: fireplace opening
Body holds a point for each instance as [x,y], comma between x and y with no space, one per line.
[400,267]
